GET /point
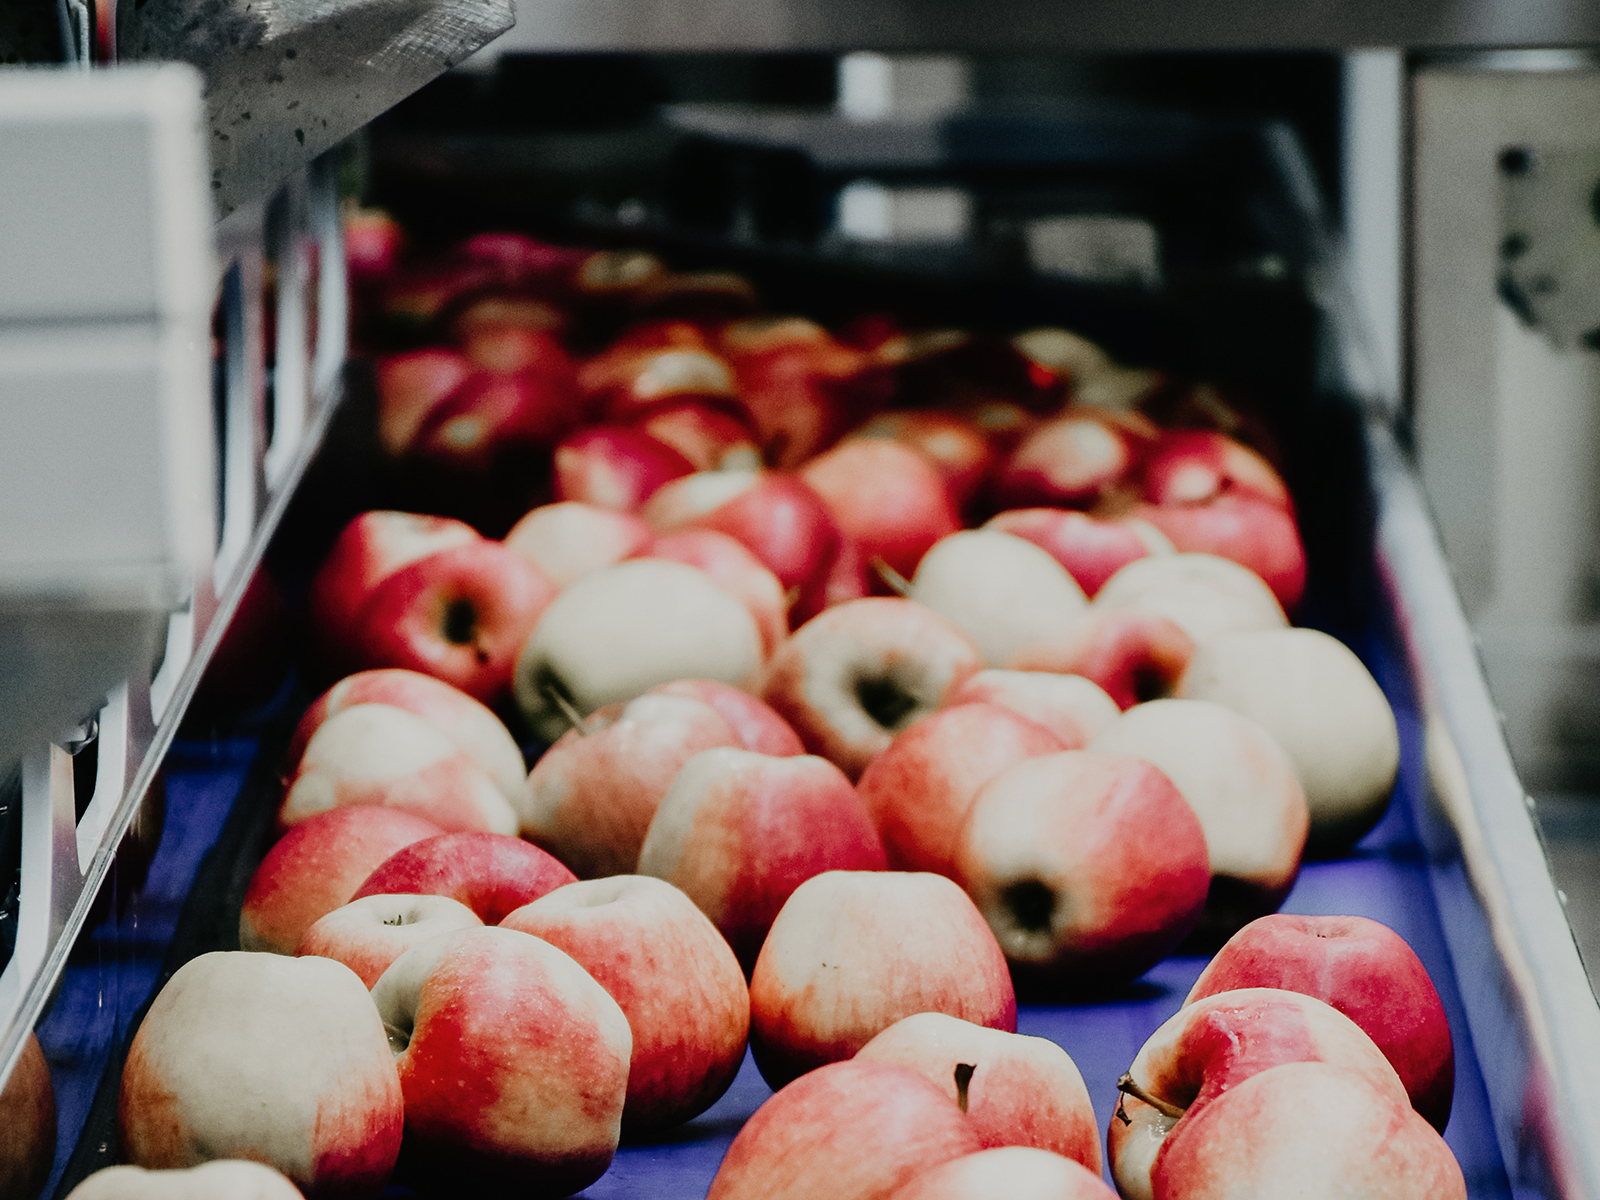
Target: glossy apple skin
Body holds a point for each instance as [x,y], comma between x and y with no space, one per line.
[593,796]
[1254,533]
[1133,656]
[376,754]
[468,723]
[739,831]
[615,467]
[513,1062]
[493,412]
[370,932]
[822,987]
[1365,970]
[411,386]
[736,571]
[27,1124]
[1091,549]
[952,443]
[1021,1091]
[490,873]
[282,1060]
[1007,1173]
[368,550]
[460,615]
[674,977]
[886,497]
[1206,596]
[1073,708]
[1089,867]
[568,539]
[222,1179]
[1068,462]
[919,789]
[316,867]
[710,438]
[1189,466]
[758,726]
[852,677]
[848,1131]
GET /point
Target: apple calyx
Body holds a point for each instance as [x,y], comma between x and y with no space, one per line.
[898,583]
[964,1073]
[1032,904]
[460,626]
[1127,1086]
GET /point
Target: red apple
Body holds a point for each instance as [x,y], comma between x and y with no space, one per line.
[1016,1090]
[569,539]
[1254,533]
[373,243]
[27,1123]
[493,412]
[736,571]
[615,467]
[952,443]
[918,790]
[1073,708]
[1135,656]
[370,932]
[1007,1173]
[1204,594]
[759,728]
[629,381]
[282,1060]
[512,1059]
[851,678]
[316,867]
[1089,867]
[674,977]
[375,754]
[739,831]
[1092,549]
[1073,460]
[848,1131]
[490,873]
[1190,466]
[500,310]
[595,792]
[886,497]
[710,438]
[1366,971]
[410,387]
[468,723]
[619,631]
[460,615]
[852,952]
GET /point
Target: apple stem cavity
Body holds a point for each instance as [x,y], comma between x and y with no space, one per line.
[399,1039]
[1128,1087]
[567,709]
[885,701]
[460,622]
[898,583]
[1032,904]
[963,1079]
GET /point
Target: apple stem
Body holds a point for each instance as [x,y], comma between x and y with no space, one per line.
[568,710]
[791,597]
[898,583]
[963,1079]
[1127,1086]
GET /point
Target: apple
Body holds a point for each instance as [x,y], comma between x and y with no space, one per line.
[1134,656]
[1311,693]
[1092,549]
[758,727]
[595,792]
[1204,594]
[1200,1110]
[1006,1173]
[710,438]
[885,496]
[1073,708]
[1365,970]
[852,952]
[1006,593]
[705,295]
[1243,788]
[619,631]
[1070,461]
[281,1060]
[615,467]
[918,790]
[221,1179]
[675,979]
[490,873]
[1062,353]
[736,571]
[568,539]
[738,831]
[607,276]
[459,615]
[376,754]
[1016,1090]
[1191,466]
[316,867]
[848,1131]
[627,382]
[512,1059]
[372,547]
[411,386]
[373,244]
[502,310]
[1254,533]
[471,725]
[774,515]
[1089,867]
[491,413]
[508,347]
[852,677]
[954,444]
[27,1123]
[370,932]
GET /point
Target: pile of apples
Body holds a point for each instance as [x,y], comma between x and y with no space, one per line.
[879,669]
